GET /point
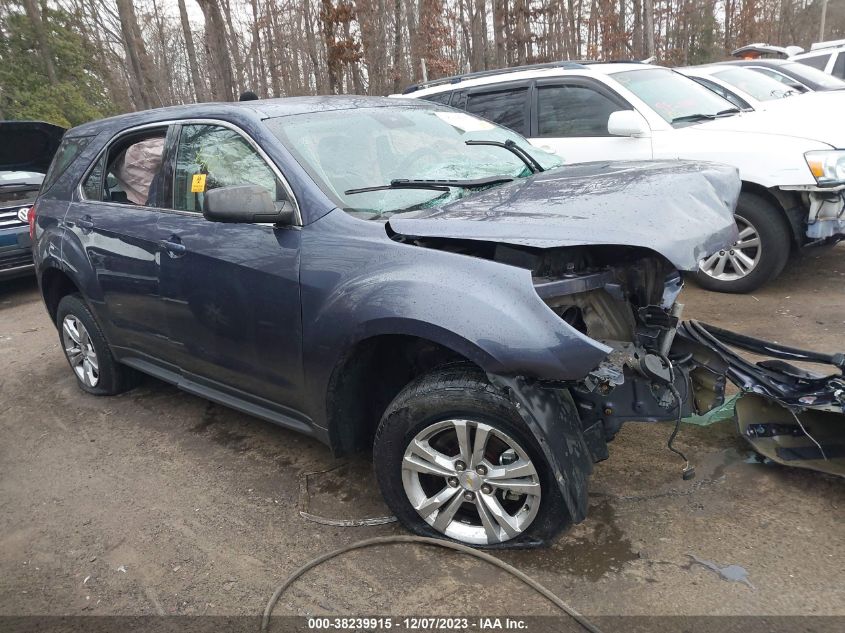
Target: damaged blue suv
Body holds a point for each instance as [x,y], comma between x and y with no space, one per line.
[388,274]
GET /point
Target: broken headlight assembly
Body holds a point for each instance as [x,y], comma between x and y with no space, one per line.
[827,166]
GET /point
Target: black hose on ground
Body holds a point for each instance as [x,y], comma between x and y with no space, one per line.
[422,540]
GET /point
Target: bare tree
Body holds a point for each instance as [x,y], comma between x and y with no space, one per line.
[217,51]
[141,67]
[198,84]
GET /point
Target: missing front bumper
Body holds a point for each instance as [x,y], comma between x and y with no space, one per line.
[790,415]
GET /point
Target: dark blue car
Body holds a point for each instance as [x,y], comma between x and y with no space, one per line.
[26,149]
[390,275]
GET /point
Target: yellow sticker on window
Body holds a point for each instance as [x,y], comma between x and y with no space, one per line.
[198,183]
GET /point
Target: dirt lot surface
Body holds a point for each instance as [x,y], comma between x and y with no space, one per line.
[160,502]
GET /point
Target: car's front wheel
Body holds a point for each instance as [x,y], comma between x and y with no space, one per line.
[453,458]
[759,255]
[87,352]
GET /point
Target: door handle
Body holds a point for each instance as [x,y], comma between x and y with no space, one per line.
[173,245]
[85,223]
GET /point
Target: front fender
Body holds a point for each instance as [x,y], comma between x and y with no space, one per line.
[486,311]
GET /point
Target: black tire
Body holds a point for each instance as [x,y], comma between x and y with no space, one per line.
[775,246]
[113,378]
[459,391]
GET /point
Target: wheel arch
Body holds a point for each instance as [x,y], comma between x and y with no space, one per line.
[56,284]
[787,202]
[379,366]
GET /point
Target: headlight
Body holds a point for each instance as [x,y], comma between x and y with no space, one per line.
[828,166]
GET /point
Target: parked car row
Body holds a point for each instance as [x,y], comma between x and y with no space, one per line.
[792,167]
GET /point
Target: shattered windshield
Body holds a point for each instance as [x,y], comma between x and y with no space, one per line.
[345,150]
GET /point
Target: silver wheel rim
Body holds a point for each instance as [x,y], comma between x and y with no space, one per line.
[471,482]
[738,261]
[80,351]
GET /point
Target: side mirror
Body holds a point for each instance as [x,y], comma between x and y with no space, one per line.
[627,123]
[244,204]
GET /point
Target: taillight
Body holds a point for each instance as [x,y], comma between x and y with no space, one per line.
[30,216]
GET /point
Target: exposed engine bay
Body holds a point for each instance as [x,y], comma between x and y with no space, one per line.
[627,300]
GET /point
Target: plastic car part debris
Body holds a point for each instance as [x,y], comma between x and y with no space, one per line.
[790,415]
[733,573]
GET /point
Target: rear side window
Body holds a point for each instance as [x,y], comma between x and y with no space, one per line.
[505,107]
[130,171]
[839,66]
[66,154]
[816,61]
[566,111]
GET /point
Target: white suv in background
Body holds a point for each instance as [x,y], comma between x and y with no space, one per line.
[826,56]
[792,168]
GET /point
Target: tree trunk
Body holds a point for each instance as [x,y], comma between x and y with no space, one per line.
[217,52]
[500,13]
[199,84]
[479,35]
[33,12]
[140,62]
[258,50]
[649,28]
[232,39]
[397,46]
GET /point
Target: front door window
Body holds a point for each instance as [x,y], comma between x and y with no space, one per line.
[212,156]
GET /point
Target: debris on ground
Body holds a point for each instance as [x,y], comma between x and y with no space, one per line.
[733,573]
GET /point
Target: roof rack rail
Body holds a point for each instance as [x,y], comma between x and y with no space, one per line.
[489,73]
[828,44]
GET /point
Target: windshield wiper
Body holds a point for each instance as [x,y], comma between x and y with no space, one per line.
[512,147]
[434,184]
[700,116]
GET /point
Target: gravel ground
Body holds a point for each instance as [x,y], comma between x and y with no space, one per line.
[158,502]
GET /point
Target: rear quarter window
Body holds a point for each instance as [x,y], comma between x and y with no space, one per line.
[816,61]
[839,66]
[68,151]
[440,97]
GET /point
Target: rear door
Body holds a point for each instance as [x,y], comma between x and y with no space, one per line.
[120,241]
[231,291]
[570,116]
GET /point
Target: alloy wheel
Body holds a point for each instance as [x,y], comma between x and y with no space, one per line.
[740,259]
[80,351]
[471,482]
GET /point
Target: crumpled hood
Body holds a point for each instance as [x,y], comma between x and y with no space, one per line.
[682,210]
[810,119]
[28,145]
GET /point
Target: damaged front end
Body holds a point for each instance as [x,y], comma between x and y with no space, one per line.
[663,369]
[626,299]
[790,415]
